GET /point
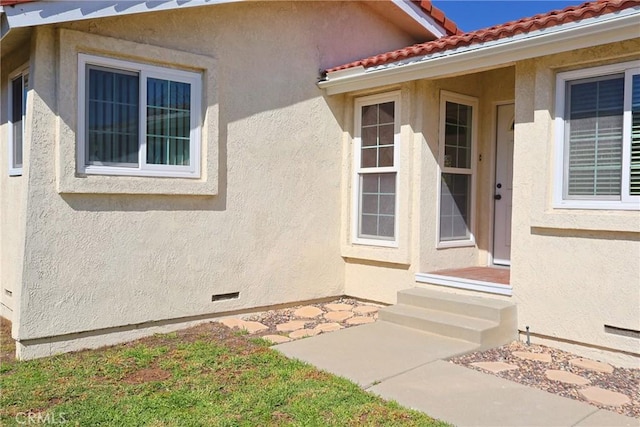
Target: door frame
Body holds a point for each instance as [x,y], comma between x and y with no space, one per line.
[492,167]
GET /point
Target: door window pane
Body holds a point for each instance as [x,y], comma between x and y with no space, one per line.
[457,138]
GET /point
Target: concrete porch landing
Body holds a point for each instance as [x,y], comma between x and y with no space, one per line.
[406,365]
[496,275]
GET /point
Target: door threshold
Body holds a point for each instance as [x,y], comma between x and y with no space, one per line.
[465,283]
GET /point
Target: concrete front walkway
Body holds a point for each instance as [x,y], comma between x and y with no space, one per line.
[407,366]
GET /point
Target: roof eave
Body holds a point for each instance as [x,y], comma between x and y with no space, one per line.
[53,12]
[600,30]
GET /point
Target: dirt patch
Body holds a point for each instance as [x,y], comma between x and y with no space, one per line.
[281,417]
[147,375]
[7,344]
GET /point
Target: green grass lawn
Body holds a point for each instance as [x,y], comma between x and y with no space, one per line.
[203,376]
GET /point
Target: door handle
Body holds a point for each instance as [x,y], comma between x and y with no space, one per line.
[497,197]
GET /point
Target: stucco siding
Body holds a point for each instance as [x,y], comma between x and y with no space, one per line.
[271,230]
[573,271]
[12,189]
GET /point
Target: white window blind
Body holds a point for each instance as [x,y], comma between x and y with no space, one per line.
[634,178]
[594,132]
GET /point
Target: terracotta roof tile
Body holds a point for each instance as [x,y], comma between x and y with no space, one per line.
[12,2]
[508,29]
[450,27]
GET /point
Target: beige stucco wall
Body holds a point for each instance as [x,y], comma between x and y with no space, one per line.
[12,195]
[573,271]
[378,274]
[95,261]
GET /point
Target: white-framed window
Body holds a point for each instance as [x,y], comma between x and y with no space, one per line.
[597,151]
[456,160]
[18,88]
[138,119]
[375,180]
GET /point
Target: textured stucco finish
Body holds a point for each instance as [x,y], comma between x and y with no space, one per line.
[106,252]
[12,191]
[573,271]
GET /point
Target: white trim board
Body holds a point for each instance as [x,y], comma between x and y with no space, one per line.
[416,13]
[461,283]
[52,12]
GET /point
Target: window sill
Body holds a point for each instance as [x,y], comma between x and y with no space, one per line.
[587,220]
[595,205]
[15,172]
[456,244]
[136,172]
[385,254]
[118,184]
[375,242]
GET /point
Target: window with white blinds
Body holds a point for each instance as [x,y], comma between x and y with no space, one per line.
[599,137]
[138,119]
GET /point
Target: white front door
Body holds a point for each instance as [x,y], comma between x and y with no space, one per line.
[503,185]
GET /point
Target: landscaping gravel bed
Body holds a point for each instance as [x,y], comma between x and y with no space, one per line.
[532,373]
[273,318]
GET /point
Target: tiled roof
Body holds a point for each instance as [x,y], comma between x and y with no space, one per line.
[509,29]
[12,2]
[450,27]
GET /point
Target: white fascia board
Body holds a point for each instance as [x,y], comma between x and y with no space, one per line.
[609,28]
[52,12]
[418,15]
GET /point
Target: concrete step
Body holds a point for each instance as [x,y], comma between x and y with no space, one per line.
[451,325]
[486,322]
[466,305]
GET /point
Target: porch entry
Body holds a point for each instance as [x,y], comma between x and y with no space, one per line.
[503,185]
